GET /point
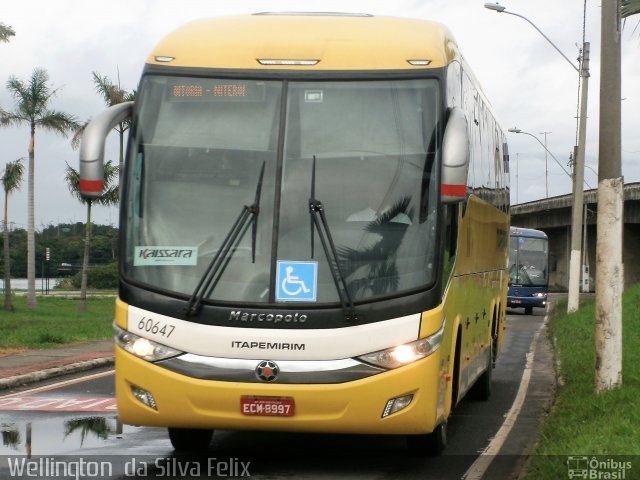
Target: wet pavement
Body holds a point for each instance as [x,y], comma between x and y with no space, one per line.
[91,427]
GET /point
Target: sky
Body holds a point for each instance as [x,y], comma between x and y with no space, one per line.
[529,84]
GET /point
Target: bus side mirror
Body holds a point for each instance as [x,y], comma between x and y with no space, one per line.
[455,158]
[92,147]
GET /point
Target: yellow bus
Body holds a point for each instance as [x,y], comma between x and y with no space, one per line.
[314,229]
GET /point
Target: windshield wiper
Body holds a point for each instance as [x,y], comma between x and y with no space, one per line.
[319,221]
[215,269]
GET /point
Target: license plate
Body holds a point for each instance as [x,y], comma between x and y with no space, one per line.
[516,301]
[268,406]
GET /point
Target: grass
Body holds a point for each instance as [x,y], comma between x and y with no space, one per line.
[55,321]
[581,422]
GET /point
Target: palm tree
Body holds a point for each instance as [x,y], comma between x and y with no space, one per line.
[10,435]
[112,94]
[11,180]
[108,197]
[32,108]
[96,425]
[375,265]
[6,32]
[629,7]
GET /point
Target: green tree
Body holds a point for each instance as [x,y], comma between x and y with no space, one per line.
[18,242]
[6,32]
[11,180]
[629,7]
[32,108]
[112,94]
[95,425]
[10,435]
[109,197]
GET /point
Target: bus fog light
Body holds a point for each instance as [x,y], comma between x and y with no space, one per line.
[144,396]
[396,404]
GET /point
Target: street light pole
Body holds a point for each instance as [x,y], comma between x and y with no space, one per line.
[547,152]
[546,164]
[578,189]
[578,179]
[502,9]
[517,173]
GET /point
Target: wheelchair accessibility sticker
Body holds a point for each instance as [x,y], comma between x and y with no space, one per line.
[296,281]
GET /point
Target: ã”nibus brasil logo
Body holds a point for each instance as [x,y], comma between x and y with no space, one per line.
[600,468]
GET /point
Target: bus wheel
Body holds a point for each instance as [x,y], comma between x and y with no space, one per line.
[528,310]
[431,444]
[190,439]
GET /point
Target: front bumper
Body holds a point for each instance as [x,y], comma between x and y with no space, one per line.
[515,302]
[348,407]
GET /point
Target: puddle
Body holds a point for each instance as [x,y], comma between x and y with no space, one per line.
[56,435]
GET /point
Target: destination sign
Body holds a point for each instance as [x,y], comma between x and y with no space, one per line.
[209,89]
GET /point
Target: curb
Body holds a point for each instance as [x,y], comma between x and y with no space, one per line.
[32,377]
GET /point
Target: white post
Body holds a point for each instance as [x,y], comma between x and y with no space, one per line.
[609,285]
[609,266]
[578,190]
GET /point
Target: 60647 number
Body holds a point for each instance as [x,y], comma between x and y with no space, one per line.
[156,327]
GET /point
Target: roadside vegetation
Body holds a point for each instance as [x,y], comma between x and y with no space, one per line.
[57,321]
[66,246]
[102,277]
[582,423]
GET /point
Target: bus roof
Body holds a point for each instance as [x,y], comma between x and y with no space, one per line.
[335,41]
[527,232]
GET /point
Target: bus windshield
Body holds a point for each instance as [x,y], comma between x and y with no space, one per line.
[528,258]
[195,162]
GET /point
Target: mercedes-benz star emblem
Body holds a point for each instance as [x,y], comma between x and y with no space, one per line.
[267,371]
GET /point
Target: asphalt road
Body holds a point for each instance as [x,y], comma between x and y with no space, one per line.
[76,422]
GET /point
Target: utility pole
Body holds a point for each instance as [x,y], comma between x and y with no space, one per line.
[546,163]
[585,254]
[575,266]
[578,172]
[609,267]
[517,167]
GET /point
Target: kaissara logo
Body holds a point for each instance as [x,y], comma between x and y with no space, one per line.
[172,255]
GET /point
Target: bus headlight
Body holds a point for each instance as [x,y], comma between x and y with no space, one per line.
[395,357]
[143,347]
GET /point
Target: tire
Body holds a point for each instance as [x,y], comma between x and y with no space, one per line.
[190,439]
[431,444]
[528,310]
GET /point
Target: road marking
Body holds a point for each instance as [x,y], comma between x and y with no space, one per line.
[58,404]
[478,469]
[27,401]
[56,385]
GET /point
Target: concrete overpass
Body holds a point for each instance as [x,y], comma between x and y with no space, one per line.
[553,216]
